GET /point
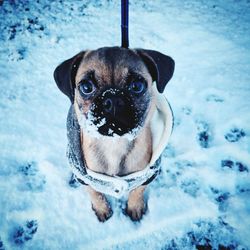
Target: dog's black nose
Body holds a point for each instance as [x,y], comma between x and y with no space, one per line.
[113,105]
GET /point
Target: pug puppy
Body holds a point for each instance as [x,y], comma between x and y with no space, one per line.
[111,91]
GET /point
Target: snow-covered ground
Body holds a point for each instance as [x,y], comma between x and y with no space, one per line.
[202,198]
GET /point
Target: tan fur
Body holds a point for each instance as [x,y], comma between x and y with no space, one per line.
[115,156]
[92,60]
[114,149]
[136,206]
[100,204]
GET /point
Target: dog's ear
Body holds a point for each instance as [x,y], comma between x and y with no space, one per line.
[65,73]
[160,66]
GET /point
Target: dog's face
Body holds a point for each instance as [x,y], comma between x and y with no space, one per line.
[112,87]
[113,90]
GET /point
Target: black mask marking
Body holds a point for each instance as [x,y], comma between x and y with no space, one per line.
[115,111]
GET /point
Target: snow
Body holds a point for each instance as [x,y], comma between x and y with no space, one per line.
[202,195]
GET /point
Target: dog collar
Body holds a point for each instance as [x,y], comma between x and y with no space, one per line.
[119,186]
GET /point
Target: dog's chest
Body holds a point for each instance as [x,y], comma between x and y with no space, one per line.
[106,155]
[115,153]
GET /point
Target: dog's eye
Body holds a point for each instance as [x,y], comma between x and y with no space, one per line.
[87,87]
[137,87]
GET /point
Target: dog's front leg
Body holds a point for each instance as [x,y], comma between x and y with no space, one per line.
[136,206]
[100,205]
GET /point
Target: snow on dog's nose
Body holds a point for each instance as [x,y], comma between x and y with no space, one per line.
[117,109]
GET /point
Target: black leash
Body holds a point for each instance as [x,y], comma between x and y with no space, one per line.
[124,23]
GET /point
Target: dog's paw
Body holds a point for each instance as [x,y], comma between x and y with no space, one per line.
[100,205]
[136,210]
[103,211]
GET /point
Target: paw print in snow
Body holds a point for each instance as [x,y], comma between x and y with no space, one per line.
[236,165]
[204,135]
[1,245]
[221,197]
[203,139]
[29,169]
[25,233]
[190,187]
[17,54]
[187,110]
[33,180]
[243,189]
[214,98]
[235,135]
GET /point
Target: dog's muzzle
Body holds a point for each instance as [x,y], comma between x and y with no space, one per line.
[114,112]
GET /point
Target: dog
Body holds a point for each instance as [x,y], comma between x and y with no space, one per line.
[111,91]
